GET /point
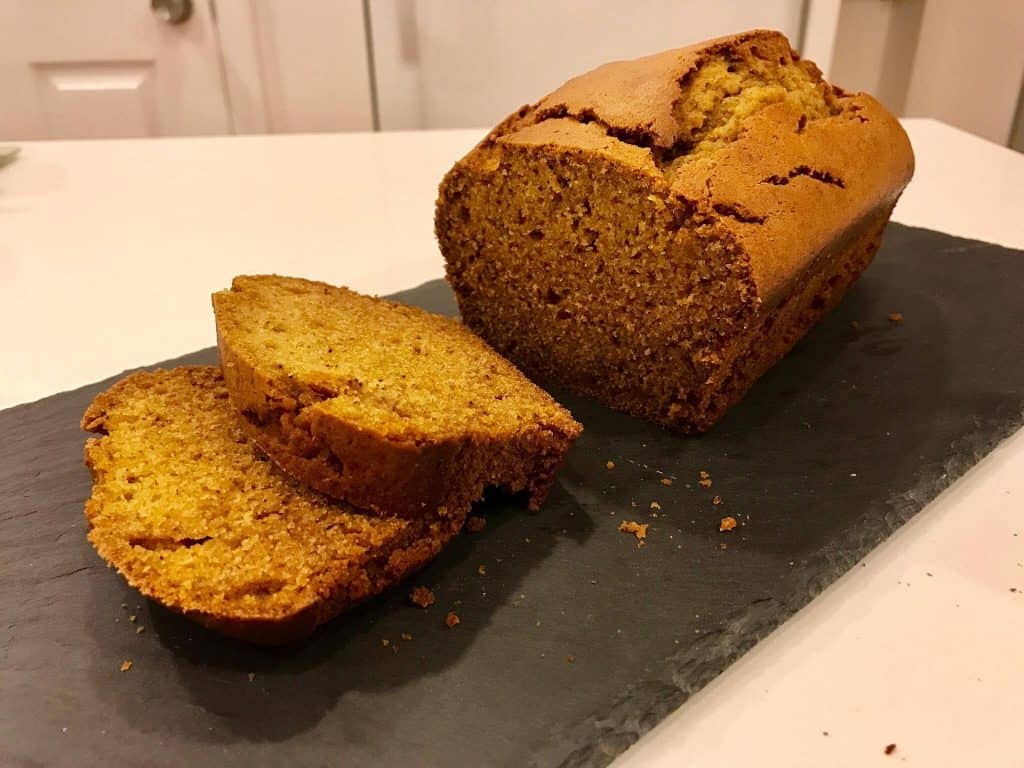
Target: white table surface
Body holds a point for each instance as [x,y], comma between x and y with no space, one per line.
[109,251]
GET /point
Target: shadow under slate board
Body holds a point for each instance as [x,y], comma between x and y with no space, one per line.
[573,639]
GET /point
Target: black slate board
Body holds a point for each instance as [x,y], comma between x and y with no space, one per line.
[835,448]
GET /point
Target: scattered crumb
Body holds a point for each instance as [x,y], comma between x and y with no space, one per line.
[139,630]
[717,500]
[609,465]
[927,573]
[705,479]
[133,618]
[890,748]
[637,529]
[570,658]
[666,481]
[482,570]
[727,523]
[126,665]
[125,606]
[475,524]
[452,619]
[723,545]
[385,642]
[421,597]
[655,505]
[406,636]
[824,733]
[252,676]
[895,317]
[1013,589]
[855,325]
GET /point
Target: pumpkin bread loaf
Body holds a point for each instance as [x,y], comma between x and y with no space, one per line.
[657,233]
[386,406]
[197,518]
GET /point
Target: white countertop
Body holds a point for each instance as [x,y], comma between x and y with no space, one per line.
[109,252]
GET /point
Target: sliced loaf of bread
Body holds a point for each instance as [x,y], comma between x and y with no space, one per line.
[657,233]
[386,406]
[196,518]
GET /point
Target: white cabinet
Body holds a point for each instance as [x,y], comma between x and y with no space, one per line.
[79,69]
[114,68]
[469,63]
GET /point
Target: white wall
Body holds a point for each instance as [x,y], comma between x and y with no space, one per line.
[969,66]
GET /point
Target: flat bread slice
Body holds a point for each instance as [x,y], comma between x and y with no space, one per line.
[387,406]
[195,517]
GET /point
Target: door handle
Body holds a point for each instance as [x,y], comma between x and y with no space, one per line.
[172,11]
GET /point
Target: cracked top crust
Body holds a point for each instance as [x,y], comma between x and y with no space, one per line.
[738,130]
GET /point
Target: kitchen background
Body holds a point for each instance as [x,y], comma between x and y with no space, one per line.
[124,68]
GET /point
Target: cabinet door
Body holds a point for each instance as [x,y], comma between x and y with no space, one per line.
[73,69]
[466,63]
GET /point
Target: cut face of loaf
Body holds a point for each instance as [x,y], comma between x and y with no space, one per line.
[386,406]
[657,233]
[195,517]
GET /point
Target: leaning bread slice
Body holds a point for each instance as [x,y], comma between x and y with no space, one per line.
[387,406]
[196,518]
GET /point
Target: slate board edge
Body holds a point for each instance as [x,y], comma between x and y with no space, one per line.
[599,739]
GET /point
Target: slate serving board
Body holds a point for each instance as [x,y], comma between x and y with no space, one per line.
[574,641]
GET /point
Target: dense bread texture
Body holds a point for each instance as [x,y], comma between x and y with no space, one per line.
[657,233]
[387,406]
[197,518]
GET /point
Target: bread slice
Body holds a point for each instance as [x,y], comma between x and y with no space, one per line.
[387,406]
[196,518]
[657,233]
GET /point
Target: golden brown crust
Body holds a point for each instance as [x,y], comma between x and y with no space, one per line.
[653,215]
[195,518]
[417,418]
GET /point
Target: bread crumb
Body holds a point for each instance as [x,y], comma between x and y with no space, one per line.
[890,748]
[705,479]
[475,524]
[609,465]
[126,665]
[139,630]
[406,636]
[421,597]
[666,481]
[125,606]
[727,523]
[717,500]
[723,545]
[452,619]
[855,325]
[895,317]
[133,618]
[482,570]
[637,529]
[570,658]
[385,642]
[655,505]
